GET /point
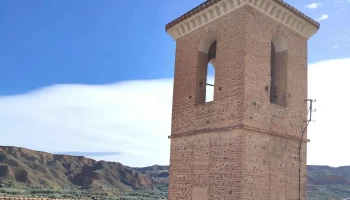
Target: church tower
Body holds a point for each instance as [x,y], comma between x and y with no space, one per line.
[243,141]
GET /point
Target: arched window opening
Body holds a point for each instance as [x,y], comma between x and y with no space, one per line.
[210,73]
[273,95]
[206,70]
[278,71]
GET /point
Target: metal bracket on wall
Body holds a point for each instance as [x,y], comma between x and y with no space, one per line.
[310,110]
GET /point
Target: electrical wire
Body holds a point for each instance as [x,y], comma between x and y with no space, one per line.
[301,139]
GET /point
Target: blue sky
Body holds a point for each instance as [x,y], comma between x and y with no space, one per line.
[87,61]
[90,42]
[98,42]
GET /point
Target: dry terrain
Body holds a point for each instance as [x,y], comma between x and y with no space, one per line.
[29,173]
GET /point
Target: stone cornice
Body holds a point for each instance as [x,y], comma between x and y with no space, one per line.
[214,9]
[240,126]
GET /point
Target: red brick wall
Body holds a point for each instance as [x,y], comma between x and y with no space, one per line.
[240,146]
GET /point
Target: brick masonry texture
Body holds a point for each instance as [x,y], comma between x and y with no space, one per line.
[239,146]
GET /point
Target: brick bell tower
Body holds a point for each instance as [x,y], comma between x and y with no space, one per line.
[244,143]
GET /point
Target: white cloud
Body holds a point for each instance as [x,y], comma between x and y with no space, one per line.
[313,5]
[323,17]
[131,117]
[134,117]
[328,83]
[336,46]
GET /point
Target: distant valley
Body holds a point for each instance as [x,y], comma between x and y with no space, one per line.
[29,173]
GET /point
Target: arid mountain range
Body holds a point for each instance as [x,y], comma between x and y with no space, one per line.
[40,169]
[62,171]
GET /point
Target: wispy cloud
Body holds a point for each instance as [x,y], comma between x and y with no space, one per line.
[323,17]
[87,154]
[129,122]
[313,5]
[336,46]
[132,118]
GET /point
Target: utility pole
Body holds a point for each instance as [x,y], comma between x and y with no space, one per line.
[309,119]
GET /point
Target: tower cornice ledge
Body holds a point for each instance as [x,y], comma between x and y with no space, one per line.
[212,10]
[240,126]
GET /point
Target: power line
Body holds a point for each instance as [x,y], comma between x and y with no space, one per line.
[309,112]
